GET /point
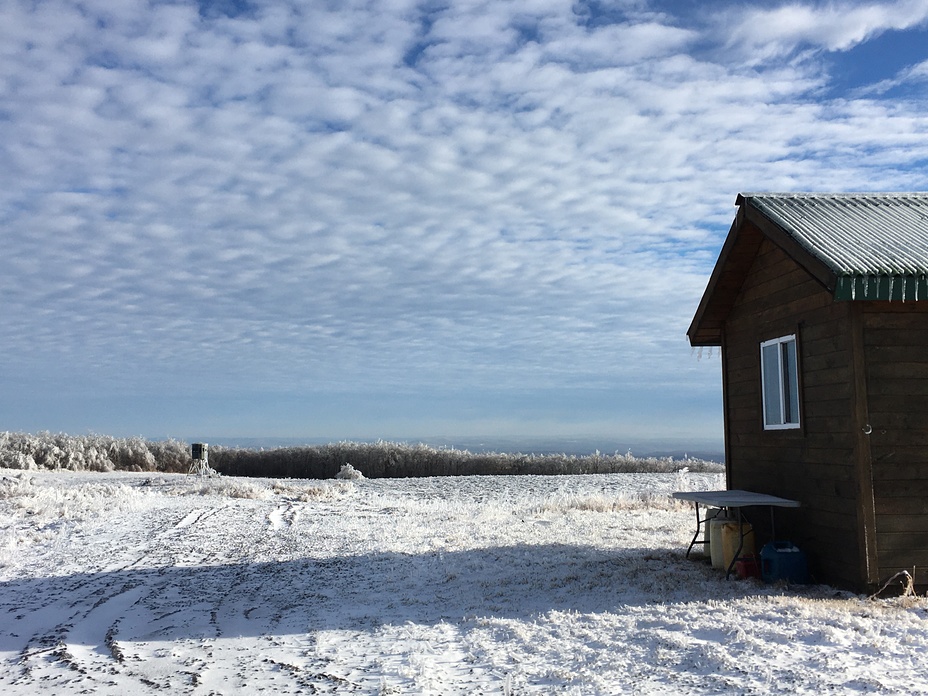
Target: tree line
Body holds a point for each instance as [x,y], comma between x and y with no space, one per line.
[374,460]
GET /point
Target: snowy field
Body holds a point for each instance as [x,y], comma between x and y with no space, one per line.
[137,583]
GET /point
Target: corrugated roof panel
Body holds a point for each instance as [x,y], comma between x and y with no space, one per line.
[875,243]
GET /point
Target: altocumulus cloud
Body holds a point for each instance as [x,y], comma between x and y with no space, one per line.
[273,198]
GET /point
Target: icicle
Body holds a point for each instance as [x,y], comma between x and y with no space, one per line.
[892,280]
[854,288]
[698,352]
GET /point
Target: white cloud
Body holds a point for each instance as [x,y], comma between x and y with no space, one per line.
[619,45]
[911,75]
[279,201]
[762,34]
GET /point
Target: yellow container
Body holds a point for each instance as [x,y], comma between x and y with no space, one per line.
[715,539]
[730,538]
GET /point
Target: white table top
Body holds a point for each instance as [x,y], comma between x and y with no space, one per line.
[734,498]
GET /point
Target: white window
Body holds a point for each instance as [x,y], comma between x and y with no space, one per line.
[780,383]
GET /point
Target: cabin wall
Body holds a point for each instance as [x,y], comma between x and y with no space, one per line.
[895,336]
[815,464]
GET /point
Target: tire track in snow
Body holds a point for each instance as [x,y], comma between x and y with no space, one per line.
[208,594]
[89,639]
[95,646]
[195,517]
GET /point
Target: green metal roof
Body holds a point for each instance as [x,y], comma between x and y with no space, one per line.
[876,244]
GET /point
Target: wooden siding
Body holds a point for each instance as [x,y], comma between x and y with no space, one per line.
[896,348]
[817,463]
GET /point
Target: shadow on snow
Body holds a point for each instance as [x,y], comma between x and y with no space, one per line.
[356,593]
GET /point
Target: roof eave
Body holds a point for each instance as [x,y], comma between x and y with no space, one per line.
[702,332]
[708,322]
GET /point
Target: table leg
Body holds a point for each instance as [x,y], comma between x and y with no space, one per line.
[741,536]
[699,524]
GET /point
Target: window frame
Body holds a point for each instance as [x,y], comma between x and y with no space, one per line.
[786,382]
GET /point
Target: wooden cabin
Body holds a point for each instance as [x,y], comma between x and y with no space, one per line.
[819,303]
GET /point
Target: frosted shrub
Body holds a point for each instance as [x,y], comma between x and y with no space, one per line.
[12,487]
[11,459]
[47,503]
[231,488]
[96,460]
[132,455]
[90,453]
[349,473]
[632,500]
[170,455]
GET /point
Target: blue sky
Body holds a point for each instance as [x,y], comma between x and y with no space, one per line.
[410,219]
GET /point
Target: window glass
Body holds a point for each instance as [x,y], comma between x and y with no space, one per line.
[790,383]
[780,382]
[771,368]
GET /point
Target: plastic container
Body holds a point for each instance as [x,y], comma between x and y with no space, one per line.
[731,538]
[748,566]
[715,539]
[724,537]
[783,560]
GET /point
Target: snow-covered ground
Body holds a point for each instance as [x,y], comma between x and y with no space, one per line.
[118,583]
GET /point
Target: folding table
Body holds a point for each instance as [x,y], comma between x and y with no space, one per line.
[730,500]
